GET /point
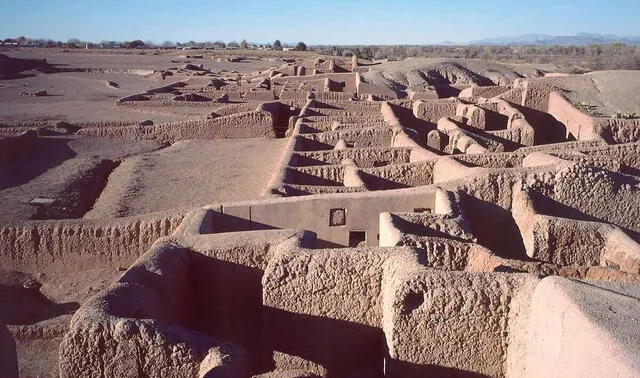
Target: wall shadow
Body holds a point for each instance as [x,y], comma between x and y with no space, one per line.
[41,155]
[227,304]
[345,349]
[399,368]
[28,306]
[495,228]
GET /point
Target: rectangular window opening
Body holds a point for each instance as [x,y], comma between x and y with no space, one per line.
[357,238]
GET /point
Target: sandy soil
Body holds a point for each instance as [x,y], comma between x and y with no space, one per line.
[146,60]
[85,96]
[608,91]
[189,174]
[74,96]
[50,309]
[54,169]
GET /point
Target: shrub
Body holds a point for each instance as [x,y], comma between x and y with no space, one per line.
[624,115]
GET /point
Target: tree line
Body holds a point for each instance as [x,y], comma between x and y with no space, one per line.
[589,57]
[77,43]
[612,56]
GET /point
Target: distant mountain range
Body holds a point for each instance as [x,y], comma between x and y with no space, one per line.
[545,39]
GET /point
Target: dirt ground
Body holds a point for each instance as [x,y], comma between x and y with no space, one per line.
[189,174]
[40,318]
[607,91]
[60,168]
[85,96]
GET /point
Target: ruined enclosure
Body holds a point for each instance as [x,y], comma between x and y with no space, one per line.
[305,216]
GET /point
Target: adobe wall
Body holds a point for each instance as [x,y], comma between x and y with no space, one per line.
[557,240]
[618,130]
[227,270]
[610,163]
[572,145]
[316,175]
[141,315]
[303,190]
[580,125]
[453,225]
[605,195]
[486,197]
[333,318]
[399,175]
[583,328]
[522,134]
[363,157]
[363,137]
[347,105]
[440,311]
[348,78]
[476,116]
[365,89]
[627,154]
[222,110]
[293,94]
[244,125]
[493,160]
[433,110]
[333,216]
[484,91]
[404,136]
[281,174]
[259,95]
[75,245]
[234,94]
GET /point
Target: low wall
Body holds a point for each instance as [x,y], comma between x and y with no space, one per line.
[316,175]
[580,125]
[441,311]
[363,137]
[399,175]
[76,245]
[433,110]
[348,78]
[363,157]
[141,315]
[600,194]
[618,130]
[487,92]
[242,125]
[567,242]
[494,160]
[333,318]
[331,217]
[570,335]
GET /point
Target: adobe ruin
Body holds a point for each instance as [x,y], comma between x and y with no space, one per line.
[448,223]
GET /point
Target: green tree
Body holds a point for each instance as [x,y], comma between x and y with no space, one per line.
[244,44]
[135,44]
[301,46]
[277,45]
[73,42]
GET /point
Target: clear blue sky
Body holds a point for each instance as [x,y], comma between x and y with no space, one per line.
[315,22]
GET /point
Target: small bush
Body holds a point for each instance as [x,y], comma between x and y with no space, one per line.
[584,107]
[624,115]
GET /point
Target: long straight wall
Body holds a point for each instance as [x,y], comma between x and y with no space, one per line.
[339,220]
